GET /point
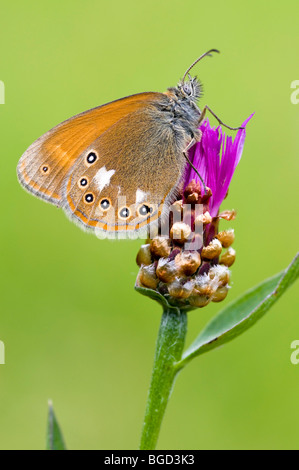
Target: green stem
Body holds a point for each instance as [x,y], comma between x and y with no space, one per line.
[169,348]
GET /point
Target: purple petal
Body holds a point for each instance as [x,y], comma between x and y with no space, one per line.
[216,157]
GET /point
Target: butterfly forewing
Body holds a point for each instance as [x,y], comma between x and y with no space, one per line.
[45,164]
[113,168]
[122,180]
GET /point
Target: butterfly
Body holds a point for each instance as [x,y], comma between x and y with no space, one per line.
[116,168]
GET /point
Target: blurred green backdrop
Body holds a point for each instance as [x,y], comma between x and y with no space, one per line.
[73,327]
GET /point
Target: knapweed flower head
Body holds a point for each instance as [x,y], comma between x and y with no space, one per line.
[189,265]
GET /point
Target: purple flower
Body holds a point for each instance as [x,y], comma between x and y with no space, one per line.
[192,276]
[216,157]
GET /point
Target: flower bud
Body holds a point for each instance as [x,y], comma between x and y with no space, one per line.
[147,276]
[191,188]
[192,198]
[199,300]
[194,187]
[220,274]
[203,286]
[144,255]
[213,249]
[228,257]
[205,195]
[177,207]
[180,232]
[180,291]
[228,215]
[220,294]
[204,218]
[166,270]
[226,237]
[188,262]
[160,247]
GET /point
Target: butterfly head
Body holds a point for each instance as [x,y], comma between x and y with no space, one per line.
[190,89]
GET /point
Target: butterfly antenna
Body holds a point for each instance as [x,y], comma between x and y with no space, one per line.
[209,53]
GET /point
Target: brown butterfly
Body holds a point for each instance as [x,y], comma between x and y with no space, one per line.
[116,168]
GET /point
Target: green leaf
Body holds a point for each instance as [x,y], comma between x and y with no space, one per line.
[152,294]
[163,300]
[242,314]
[54,436]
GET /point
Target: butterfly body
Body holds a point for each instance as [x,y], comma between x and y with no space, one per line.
[117,167]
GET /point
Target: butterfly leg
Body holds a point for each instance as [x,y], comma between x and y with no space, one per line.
[185,152]
[202,116]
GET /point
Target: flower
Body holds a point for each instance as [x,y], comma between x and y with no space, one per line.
[216,157]
[186,265]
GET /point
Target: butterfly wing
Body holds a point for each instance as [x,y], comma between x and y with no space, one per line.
[113,168]
[125,179]
[45,164]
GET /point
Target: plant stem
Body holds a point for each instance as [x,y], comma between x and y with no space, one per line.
[169,348]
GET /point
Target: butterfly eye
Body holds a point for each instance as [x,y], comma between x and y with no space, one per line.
[83,182]
[105,204]
[44,169]
[144,209]
[124,213]
[91,158]
[89,197]
[187,89]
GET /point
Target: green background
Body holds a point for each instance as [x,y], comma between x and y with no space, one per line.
[73,327]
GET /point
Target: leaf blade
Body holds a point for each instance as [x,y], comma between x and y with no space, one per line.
[55,439]
[243,313]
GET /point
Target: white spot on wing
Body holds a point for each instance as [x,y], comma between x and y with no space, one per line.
[141,196]
[103,177]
